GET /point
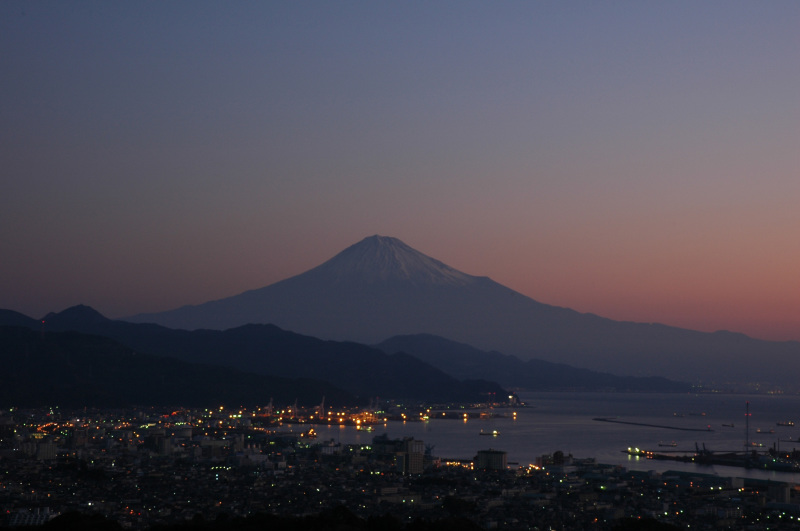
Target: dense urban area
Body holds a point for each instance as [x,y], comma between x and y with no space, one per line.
[226,469]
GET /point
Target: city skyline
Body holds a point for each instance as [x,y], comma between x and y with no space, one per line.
[639,162]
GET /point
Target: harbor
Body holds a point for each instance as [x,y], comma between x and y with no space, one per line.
[752,455]
[564,421]
[770,460]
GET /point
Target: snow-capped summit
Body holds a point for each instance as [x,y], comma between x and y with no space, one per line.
[371,290]
[383,258]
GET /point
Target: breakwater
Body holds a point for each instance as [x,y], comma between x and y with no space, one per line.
[617,421]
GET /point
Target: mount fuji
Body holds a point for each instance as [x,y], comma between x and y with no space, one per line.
[372,290]
[380,287]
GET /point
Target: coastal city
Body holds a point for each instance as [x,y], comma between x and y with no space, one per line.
[141,468]
[399,266]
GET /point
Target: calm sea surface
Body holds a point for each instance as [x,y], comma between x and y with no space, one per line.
[564,421]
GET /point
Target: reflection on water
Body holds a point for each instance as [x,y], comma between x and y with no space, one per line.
[564,421]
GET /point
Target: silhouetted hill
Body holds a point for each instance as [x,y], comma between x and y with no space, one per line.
[12,318]
[463,361]
[266,349]
[380,287]
[71,369]
[76,316]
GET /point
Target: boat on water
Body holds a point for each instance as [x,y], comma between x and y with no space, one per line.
[788,423]
[728,425]
[670,444]
[493,433]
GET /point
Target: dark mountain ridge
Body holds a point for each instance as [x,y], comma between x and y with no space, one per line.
[71,369]
[463,361]
[268,350]
[380,288]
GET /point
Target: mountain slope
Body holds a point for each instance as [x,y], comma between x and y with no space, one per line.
[463,361]
[380,288]
[76,370]
[12,318]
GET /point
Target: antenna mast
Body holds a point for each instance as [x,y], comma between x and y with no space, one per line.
[747,424]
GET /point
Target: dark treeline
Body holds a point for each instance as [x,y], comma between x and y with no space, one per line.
[337,519]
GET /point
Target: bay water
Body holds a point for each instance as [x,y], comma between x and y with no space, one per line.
[565,422]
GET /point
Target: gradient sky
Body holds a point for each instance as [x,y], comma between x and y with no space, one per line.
[637,160]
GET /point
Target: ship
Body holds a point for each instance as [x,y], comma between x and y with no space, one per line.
[788,423]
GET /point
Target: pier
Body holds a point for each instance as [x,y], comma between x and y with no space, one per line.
[763,461]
